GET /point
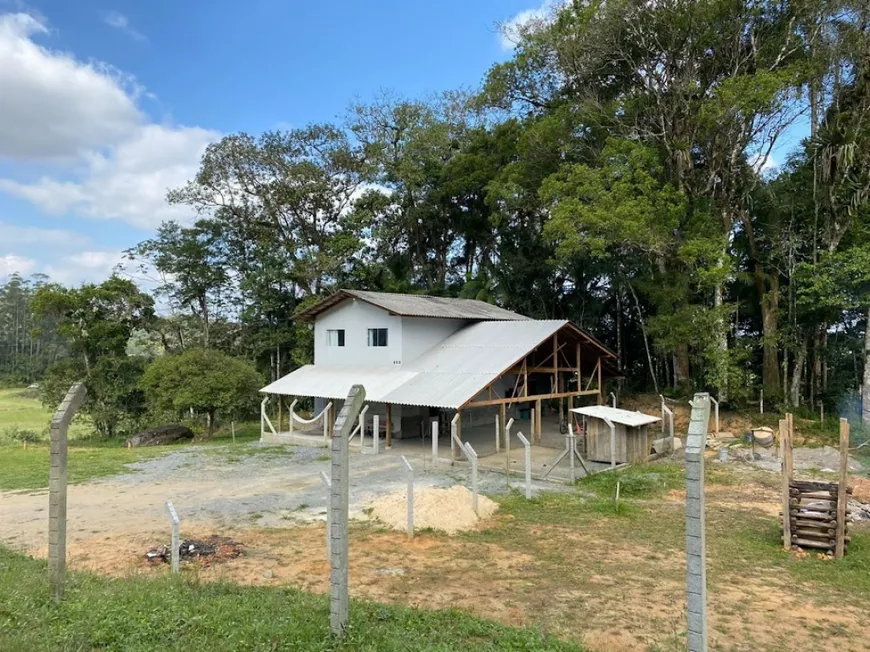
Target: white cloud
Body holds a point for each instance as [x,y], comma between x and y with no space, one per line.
[84,267]
[11,263]
[119,21]
[13,234]
[129,181]
[509,34]
[763,164]
[119,164]
[53,106]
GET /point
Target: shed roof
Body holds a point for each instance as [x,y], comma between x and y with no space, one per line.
[415,305]
[625,417]
[447,376]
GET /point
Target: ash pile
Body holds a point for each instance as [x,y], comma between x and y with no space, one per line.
[213,549]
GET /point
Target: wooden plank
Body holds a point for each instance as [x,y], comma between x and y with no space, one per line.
[389,425]
[842,496]
[786,492]
[556,362]
[600,386]
[579,367]
[526,376]
[526,399]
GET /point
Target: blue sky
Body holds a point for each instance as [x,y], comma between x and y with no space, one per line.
[104,105]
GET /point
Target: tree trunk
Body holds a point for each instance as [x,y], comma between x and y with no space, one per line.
[865,388]
[797,372]
[681,364]
[770,326]
[722,346]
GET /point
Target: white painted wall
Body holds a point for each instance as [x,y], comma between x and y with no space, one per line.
[356,317]
[419,334]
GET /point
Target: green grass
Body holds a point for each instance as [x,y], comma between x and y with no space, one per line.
[142,615]
[28,469]
[20,409]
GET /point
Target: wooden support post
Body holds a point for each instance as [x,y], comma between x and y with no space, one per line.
[842,498]
[459,424]
[786,479]
[389,425]
[556,362]
[526,376]
[503,425]
[600,386]
[540,418]
[579,369]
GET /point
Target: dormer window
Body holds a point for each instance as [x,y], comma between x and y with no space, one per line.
[335,337]
[377,337]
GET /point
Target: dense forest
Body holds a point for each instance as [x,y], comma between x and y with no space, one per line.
[618,170]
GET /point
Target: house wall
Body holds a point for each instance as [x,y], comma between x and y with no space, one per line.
[356,317]
[419,334]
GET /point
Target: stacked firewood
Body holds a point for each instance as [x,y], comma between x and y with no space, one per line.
[813,514]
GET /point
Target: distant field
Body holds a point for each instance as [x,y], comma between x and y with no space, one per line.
[20,409]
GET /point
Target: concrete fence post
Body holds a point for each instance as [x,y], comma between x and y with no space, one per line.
[612,441]
[376,428]
[528,447]
[410,471]
[696,566]
[175,538]
[507,436]
[533,420]
[263,418]
[669,442]
[434,441]
[362,427]
[57,480]
[613,396]
[472,456]
[454,435]
[328,486]
[715,417]
[339,497]
[291,414]
[497,435]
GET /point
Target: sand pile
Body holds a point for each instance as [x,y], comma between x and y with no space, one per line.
[448,510]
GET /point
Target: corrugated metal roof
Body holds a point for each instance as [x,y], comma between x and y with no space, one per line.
[417,305]
[446,376]
[625,417]
[335,382]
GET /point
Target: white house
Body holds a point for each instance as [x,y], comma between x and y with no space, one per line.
[421,357]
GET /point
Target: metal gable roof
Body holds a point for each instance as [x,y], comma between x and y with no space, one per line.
[416,305]
[447,376]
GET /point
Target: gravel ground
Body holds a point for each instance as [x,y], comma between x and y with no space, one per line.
[228,487]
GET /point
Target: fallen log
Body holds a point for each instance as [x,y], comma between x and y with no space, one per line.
[809,485]
[806,522]
[160,436]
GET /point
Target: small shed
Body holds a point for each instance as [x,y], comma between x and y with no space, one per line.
[616,436]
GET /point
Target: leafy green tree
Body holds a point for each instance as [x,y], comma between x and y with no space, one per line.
[204,380]
[97,320]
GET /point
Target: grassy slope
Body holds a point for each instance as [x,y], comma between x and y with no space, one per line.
[161,614]
[22,468]
[20,409]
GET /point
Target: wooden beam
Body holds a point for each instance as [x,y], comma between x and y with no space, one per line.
[579,368]
[598,370]
[600,385]
[556,361]
[526,376]
[538,370]
[527,399]
[389,425]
